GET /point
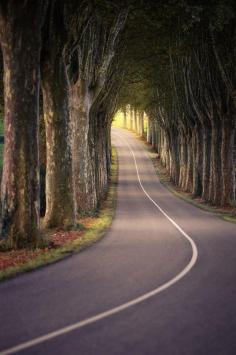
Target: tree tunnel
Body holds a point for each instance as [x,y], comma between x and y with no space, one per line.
[69,67]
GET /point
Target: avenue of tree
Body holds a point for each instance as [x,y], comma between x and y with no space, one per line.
[68,66]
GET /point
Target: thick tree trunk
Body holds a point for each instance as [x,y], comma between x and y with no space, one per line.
[108,148]
[141,124]
[149,131]
[197,162]
[215,175]
[83,150]
[135,120]
[206,162]
[154,134]
[20,180]
[174,169]
[227,160]
[101,157]
[183,160]
[189,170]
[60,201]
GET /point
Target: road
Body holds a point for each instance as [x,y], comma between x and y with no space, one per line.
[192,308]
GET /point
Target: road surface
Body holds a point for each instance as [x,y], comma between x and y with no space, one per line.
[174,295]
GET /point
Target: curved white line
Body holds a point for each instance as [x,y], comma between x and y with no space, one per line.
[126,305]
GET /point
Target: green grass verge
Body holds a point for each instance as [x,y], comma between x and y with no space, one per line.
[227,214]
[92,234]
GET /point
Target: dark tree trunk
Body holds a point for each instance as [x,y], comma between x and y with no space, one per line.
[141,124]
[20,182]
[154,134]
[101,157]
[215,161]
[183,160]
[149,131]
[174,169]
[135,121]
[227,160]
[189,169]
[197,162]
[206,162]
[108,148]
[60,202]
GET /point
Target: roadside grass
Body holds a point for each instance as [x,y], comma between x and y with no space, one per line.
[90,230]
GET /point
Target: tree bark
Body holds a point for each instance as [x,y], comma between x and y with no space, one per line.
[197,163]
[83,150]
[149,130]
[124,118]
[135,120]
[189,170]
[206,162]
[141,124]
[227,160]
[215,175]
[20,180]
[60,202]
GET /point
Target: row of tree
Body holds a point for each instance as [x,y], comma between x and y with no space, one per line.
[61,60]
[187,86]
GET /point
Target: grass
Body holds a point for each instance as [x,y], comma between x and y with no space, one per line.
[91,232]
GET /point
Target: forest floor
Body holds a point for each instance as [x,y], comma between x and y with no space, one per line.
[58,244]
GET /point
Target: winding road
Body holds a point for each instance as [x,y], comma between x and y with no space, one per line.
[162,281]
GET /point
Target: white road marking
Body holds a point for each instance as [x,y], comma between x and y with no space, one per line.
[126,305]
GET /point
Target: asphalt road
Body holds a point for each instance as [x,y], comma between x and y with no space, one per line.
[195,311]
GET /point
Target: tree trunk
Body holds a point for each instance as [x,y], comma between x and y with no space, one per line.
[154,134]
[83,150]
[60,201]
[189,170]
[149,131]
[20,180]
[108,148]
[215,175]
[135,121]
[206,162]
[183,160]
[124,118]
[101,157]
[197,163]
[141,124]
[227,160]
[174,170]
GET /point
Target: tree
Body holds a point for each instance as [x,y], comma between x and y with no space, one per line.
[21,55]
